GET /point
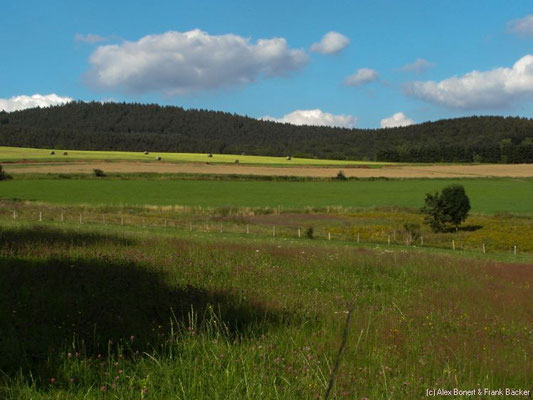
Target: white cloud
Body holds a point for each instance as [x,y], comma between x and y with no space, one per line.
[419,66]
[398,119]
[178,63]
[37,100]
[89,38]
[362,77]
[315,117]
[331,43]
[522,26]
[493,89]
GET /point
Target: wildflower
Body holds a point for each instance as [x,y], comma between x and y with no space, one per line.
[52,380]
[69,356]
[103,388]
[117,378]
[132,338]
[71,380]
[114,385]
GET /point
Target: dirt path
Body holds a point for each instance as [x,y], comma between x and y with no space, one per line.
[426,171]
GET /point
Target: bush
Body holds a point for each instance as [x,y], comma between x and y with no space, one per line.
[412,231]
[3,175]
[341,176]
[98,172]
[451,206]
[310,233]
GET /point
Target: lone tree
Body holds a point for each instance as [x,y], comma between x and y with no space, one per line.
[451,206]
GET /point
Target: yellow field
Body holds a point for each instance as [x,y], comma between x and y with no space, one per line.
[14,154]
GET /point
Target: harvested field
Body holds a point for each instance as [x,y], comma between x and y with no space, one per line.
[393,171]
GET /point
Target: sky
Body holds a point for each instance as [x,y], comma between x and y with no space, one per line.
[363,64]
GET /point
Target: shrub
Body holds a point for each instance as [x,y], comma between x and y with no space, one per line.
[98,172]
[3,175]
[65,153]
[341,176]
[310,233]
[451,206]
[412,231]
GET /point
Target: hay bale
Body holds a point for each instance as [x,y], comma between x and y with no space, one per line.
[288,158]
[146,153]
[52,152]
[210,155]
[158,158]
[236,161]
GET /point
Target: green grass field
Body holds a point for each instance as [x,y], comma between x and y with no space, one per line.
[486,195]
[11,154]
[103,312]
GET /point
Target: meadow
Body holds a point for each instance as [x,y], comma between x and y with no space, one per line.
[486,195]
[108,311]
[15,154]
[162,286]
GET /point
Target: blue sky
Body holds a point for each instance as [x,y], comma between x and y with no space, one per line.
[267,59]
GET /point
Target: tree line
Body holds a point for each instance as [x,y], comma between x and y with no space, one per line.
[139,127]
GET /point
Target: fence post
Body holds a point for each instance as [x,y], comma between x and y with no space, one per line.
[40,216]
[453,244]
[388,240]
[14,214]
[165,222]
[358,237]
[299,233]
[483,248]
[247,229]
[421,240]
[514,250]
[80,219]
[221,229]
[329,236]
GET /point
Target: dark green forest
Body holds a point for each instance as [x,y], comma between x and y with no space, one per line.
[138,127]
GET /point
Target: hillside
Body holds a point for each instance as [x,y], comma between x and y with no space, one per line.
[137,127]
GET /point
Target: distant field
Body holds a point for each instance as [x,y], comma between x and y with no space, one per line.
[486,195]
[12,154]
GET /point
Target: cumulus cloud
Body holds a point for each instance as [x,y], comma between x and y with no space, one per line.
[37,100]
[522,26]
[493,89]
[183,62]
[362,77]
[398,119]
[419,66]
[315,117]
[331,43]
[89,38]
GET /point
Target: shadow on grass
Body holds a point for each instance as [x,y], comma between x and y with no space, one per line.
[50,236]
[465,228]
[80,305]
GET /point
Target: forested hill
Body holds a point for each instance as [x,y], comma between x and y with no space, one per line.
[136,127]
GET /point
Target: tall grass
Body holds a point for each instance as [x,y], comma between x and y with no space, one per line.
[99,312]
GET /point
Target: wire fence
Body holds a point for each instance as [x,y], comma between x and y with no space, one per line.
[189,223]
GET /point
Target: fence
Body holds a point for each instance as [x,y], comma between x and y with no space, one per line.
[192,225]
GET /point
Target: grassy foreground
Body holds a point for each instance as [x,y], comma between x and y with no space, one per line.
[486,195]
[20,153]
[101,312]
